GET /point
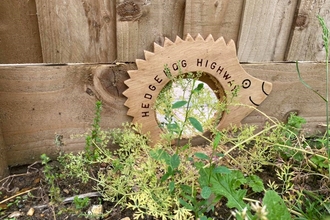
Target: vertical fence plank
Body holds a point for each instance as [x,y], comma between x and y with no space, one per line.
[19,34]
[141,23]
[219,18]
[306,43]
[77,31]
[3,157]
[265,30]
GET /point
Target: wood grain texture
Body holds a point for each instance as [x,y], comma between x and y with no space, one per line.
[41,104]
[219,18]
[19,32]
[3,157]
[141,23]
[306,43]
[77,31]
[265,30]
[289,95]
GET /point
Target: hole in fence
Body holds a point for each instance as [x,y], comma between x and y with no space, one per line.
[189,105]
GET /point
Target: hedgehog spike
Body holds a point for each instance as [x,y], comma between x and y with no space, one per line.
[167,42]
[199,38]
[140,63]
[189,38]
[221,42]
[209,38]
[178,40]
[231,44]
[148,54]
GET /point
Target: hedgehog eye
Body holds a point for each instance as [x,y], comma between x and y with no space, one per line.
[246,83]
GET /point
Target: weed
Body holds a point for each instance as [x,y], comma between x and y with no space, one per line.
[81,203]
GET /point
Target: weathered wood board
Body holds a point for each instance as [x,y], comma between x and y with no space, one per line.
[19,33]
[58,31]
[42,106]
[77,31]
[219,18]
[141,23]
[306,42]
[265,30]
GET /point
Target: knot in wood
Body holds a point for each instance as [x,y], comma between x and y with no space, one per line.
[301,21]
[128,11]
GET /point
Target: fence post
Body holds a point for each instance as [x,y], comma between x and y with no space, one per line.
[3,157]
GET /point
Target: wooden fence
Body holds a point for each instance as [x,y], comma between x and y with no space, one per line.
[94,31]
[42,105]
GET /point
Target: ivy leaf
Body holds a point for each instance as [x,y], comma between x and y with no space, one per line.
[196,124]
[179,104]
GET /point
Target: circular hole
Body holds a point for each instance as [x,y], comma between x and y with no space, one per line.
[188,103]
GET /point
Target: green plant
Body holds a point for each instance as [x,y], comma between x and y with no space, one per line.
[81,203]
[51,177]
[93,139]
[257,173]
[325,37]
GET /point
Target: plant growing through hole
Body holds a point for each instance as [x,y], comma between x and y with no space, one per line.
[187,105]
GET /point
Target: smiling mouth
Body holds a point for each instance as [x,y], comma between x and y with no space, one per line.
[253,101]
[263,90]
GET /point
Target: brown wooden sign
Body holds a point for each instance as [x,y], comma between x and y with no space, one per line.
[216,59]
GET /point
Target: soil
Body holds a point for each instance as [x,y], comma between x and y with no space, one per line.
[25,189]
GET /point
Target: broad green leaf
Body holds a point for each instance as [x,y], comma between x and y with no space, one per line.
[179,104]
[275,206]
[255,183]
[185,204]
[199,87]
[238,179]
[160,154]
[204,176]
[196,124]
[175,161]
[223,185]
[171,186]
[187,189]
[206,192]
[173,127]
[217,140]
[165,176]
[221,169]
[202,156]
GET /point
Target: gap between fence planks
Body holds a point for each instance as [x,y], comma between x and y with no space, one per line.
[306,42]
[42,105]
